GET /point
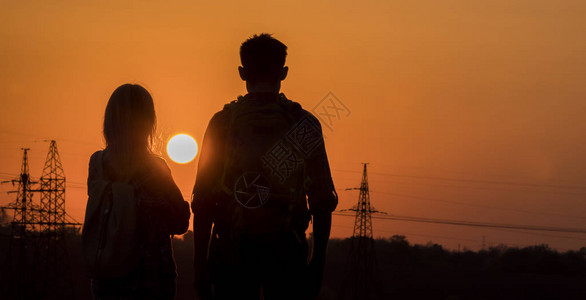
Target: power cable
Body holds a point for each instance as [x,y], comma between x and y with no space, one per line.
[471,224]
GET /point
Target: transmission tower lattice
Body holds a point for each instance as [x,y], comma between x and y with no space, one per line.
[360,278]
[23,248]
[37,257]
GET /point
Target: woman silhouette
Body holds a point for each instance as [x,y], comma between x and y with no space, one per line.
[129,126]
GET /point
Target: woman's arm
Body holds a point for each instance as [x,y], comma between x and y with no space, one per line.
[167,197]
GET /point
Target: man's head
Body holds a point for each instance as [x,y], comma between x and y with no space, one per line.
[263,60]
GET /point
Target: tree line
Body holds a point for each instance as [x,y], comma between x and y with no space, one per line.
[403,270]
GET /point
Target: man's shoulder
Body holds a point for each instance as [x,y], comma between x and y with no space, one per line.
[309,115]
[293,107]
[301,112]
[219,118]
[306,116]
[230,106]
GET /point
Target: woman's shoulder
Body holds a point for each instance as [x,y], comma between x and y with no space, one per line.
[96,155]
[93,168]
[158,164]
[156,172]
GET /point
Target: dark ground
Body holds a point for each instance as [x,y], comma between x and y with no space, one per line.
[405,271]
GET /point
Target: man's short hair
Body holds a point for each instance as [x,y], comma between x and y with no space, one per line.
[263,56]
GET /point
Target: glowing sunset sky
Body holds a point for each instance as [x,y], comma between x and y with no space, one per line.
[465,110]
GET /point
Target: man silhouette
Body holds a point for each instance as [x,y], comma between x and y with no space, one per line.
[263,174]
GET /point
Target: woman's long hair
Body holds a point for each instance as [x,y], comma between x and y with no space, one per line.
[129,125]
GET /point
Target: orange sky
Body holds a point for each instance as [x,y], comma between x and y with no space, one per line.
[437,90]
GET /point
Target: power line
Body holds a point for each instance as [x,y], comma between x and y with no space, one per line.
[485,188]
[540,234]
[45,138]
[404,233]
[478,181]
[479,205]
[471,224]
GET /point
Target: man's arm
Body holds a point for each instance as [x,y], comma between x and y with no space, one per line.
[322,200]
[322,224]
[202,226]
[208,172]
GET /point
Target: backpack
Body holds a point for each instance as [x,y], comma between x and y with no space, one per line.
[263,178]
[110,235]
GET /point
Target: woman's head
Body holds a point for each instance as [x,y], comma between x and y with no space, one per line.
[129,121]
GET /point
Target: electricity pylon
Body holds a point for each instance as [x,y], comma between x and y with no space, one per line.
[23,247]
[37,256]
[360,278]
[57,270]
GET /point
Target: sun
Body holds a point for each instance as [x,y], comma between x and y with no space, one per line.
[182,148]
